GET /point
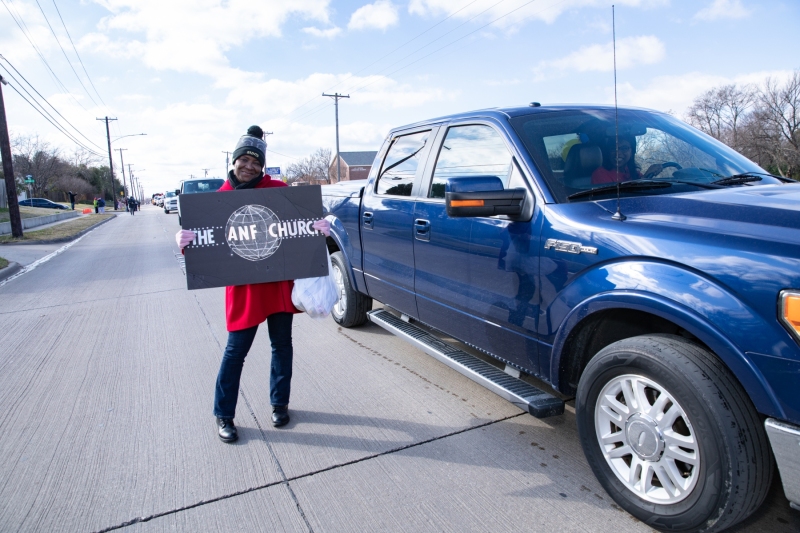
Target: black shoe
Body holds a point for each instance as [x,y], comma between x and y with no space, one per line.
[280,416]
[227,431]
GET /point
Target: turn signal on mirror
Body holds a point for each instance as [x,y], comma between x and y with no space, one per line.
[790,311]
[466,203]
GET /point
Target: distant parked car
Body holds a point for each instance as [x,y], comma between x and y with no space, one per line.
[198,186]
[170,202]
[42,202]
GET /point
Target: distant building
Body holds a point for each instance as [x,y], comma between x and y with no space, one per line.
[355,165]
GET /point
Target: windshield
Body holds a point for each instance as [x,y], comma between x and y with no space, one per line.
[209,185]
[578,151]
[170,194]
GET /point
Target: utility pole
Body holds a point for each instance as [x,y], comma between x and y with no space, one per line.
[124,181]
[336,97]
[227,161]
[130,173]
[110,160]
[206,171]
[8,169]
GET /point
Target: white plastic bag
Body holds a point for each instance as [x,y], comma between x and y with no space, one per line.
[316,296]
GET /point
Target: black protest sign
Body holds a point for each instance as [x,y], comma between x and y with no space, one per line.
[253,236]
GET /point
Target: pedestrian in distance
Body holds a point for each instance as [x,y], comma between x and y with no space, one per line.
[96,206]
[72,200]
[248,306]
[101,204]
[131,205]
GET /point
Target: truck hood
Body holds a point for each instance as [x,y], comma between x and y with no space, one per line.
[766,212]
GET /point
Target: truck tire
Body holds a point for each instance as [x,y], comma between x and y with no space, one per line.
[351,310]
[671,435]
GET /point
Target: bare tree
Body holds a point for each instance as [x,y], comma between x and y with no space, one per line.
[312,169]
[777,121]
[82,158]
[75,184]
[762,123]
[721,112]
[36,158]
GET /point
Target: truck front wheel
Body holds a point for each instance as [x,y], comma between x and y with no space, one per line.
[671,435]
[351,309]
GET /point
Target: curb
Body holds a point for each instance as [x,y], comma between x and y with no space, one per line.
[10,270]
[63,239]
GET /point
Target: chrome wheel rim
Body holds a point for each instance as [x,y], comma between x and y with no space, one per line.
[647,439]
[341,306]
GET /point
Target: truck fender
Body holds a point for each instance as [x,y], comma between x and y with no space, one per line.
[342,240]
[678,295]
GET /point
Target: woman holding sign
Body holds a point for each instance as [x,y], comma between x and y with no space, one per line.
[247,306]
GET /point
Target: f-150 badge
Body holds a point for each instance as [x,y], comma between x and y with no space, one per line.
[569,247]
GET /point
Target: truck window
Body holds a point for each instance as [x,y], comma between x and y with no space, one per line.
[474,150]
[400,165]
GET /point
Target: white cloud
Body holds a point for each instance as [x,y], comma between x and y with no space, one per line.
[275,98]
[723,9]
[677,93]
[631,51]
[379,15]
[193,35]
[330,33]
[545,11]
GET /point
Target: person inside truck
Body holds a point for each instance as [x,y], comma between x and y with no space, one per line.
[619,162]
[248,306]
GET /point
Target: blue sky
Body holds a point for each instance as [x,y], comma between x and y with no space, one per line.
[194,75]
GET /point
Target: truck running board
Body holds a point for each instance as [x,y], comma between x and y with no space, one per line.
[525,396]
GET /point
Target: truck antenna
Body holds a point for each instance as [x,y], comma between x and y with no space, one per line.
[618,215]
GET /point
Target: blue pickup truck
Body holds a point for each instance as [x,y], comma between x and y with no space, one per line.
[621,256]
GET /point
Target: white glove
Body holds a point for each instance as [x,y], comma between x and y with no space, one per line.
[184,237]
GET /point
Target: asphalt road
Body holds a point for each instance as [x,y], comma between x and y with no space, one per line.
[107,369]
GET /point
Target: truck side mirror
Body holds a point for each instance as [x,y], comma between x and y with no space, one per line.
[177,192]
[483,196]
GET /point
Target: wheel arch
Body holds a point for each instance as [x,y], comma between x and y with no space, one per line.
[608,317]
[339,241]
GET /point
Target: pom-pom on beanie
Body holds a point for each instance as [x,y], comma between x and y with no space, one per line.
[252,144]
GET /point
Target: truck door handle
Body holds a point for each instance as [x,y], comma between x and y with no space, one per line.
[367,218]
[422,229]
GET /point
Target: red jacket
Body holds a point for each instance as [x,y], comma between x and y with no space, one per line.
[249,305]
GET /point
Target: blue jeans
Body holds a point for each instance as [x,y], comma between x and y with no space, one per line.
[230,369]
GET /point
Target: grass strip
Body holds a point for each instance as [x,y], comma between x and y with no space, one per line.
[62,231]
[28,212]
[3,263]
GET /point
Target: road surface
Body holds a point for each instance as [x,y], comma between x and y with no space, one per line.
[107,370]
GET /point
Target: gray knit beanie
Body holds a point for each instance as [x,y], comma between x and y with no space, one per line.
[252,144]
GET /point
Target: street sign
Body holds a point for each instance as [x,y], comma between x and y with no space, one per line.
[28,180]
[275,172]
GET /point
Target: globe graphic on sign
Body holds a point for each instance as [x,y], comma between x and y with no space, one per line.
[247,232]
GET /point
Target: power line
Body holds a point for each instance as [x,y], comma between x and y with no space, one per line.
[354,88]
[390,65]
[43,98]
[51,118]
[70,137]
[77,54]
[388,54]
[64,52]
[284,155]
[25,31]
[462,38]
